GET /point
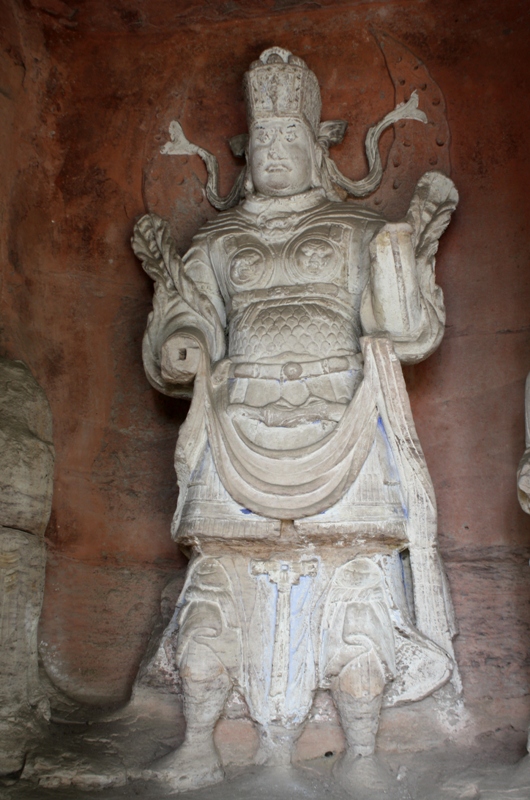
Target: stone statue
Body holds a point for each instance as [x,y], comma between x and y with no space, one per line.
[523,473]
[26,484]
[523,493]
[305,502]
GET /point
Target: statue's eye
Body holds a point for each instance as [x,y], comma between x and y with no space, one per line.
[263,136]
[290,135]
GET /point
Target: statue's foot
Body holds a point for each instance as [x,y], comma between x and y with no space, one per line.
[366,778]
[192,766]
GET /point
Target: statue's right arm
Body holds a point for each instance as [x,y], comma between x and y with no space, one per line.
[180,354]
[188,317]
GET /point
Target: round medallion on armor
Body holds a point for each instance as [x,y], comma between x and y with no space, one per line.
[314,258]
[248,267]
[292,370]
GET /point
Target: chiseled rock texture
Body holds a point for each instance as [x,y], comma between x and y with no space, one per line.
[26,485]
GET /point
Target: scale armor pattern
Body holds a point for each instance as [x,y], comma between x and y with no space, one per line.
[304,328]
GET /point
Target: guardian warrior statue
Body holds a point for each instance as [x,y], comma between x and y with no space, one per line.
[305,501]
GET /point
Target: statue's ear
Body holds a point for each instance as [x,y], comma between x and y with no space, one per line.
[332,132]
[238,144]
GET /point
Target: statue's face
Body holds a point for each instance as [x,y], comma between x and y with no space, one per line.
[281,153]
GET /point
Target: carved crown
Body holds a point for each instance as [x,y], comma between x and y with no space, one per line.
[282,85]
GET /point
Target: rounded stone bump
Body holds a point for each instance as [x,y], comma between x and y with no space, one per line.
[292,370]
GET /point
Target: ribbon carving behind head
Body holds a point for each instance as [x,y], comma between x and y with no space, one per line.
[330,133]
[180,146]
[408,110]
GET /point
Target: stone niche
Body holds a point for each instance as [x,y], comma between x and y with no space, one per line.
[88,92]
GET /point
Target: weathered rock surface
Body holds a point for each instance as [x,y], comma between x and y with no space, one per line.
[26,463]
[106,758]
[26,484]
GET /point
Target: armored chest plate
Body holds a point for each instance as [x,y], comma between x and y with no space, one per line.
[318,255]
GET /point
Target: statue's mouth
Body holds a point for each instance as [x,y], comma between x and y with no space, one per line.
[277,167]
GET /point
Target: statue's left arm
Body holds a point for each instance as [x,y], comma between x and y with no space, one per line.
[401,299]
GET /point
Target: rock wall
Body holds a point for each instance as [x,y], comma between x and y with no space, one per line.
[26,483]
[89,97]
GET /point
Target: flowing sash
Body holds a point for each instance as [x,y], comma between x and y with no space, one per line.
[279,484]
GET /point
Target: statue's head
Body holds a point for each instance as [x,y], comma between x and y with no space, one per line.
[287,148]
[283,105]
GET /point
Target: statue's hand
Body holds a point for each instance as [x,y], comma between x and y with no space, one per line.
[523,475]
[180,358]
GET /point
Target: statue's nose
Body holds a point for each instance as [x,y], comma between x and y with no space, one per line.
[276,149]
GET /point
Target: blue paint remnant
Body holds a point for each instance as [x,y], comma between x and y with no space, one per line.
[381,426]
[245,510]
[272,589]
[300,648]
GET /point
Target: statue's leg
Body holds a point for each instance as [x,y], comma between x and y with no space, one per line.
[206,684]
[358,694]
